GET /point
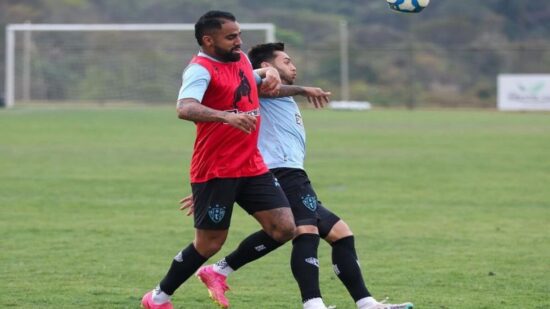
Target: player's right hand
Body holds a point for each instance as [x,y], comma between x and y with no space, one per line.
[243,122]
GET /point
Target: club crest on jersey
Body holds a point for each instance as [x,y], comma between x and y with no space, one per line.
[216,213]
[276,182]
[310,202]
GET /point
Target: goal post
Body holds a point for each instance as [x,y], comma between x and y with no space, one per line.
[57,47]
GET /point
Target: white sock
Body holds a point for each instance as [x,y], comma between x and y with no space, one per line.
[314,303]
[159,297]
[366,302]
[221,267]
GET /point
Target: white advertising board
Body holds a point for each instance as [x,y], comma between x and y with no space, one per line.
[524,92]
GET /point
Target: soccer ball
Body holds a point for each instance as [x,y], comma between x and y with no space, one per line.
[408,6]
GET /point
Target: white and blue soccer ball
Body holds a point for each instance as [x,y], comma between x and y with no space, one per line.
[408,6]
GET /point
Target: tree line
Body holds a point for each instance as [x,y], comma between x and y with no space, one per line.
[448,55]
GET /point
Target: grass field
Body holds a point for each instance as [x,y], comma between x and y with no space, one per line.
[451,209]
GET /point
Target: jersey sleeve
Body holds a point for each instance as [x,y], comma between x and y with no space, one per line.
[195,82]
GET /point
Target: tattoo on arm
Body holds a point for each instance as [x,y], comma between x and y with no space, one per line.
[190,109]
[291,90]
[286,91]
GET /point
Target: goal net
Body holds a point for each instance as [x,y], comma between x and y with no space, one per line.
[103,63]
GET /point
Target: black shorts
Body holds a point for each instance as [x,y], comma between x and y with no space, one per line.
[214,199]
[306,208]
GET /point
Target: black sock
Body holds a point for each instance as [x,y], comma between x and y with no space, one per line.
[183,266]
[305,265]
[251,248]
[346,267]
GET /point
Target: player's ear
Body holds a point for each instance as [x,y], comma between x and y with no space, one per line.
[265,64]
[207,41]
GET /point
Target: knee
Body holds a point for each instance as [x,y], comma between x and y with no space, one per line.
[208,247]
[339,231]
[277,223]
[306,229]
[283,231]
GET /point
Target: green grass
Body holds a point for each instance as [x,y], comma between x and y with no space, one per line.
[451,209]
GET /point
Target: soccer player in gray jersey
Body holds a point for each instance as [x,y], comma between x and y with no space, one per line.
[282,144]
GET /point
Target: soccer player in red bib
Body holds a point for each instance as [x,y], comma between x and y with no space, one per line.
[220,94]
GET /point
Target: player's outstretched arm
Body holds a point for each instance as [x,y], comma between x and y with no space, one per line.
[316,96]
[193,110]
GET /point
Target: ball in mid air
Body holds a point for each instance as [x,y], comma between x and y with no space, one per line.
[408,6]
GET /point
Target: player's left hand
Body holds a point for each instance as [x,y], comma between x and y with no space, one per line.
[187,203]
[271,83]
[317,96]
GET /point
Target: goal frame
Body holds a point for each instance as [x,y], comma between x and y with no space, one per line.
[11,29]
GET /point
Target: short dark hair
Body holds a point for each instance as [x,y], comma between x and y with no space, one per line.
[264,52]
[209,21]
